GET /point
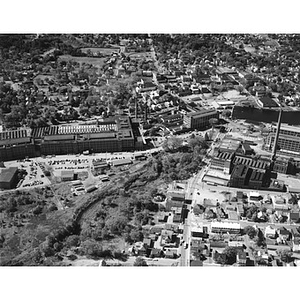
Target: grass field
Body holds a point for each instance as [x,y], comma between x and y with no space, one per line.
[140,55]
[104,51]
[95,61]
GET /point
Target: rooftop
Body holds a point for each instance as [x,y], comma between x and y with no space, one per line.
[257,175]
[6,175]
[15,134]
[226,225]
[202,112]
[240,171]
[269,102]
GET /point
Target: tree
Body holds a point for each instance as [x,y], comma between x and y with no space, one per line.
[261,241]
[228,257]
[72,241]
[285,255]
[140,262]
[172,144]
[250,231]
[91,248]
[136,235]
[213,122]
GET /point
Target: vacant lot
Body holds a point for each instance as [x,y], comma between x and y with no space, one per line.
[95,61]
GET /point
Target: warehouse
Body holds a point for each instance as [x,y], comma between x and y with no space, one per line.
[9,178]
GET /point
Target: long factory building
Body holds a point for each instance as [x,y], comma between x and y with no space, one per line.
[113,135]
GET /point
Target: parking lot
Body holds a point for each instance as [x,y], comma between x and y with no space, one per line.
[35,176]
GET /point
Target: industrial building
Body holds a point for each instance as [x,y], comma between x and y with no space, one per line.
[267,102]
[240,176]
[67,175]
[200,119]
[283,165]
[288,139]
[257,179]
[16,144]
[114,135]
[222,162]
[229,145]
[259,164]
[8,178]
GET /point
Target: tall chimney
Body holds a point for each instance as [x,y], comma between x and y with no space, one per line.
[277,135]
[136,109]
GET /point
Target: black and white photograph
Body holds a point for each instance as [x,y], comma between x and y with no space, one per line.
[158,147]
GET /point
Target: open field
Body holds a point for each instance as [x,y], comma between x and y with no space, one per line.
[140,55]
[104,51]
[95,61]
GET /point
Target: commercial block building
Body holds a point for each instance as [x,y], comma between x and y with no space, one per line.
[200,119]
[224,227]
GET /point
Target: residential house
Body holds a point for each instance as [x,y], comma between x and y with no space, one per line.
[177,218]
[198,247]
[162,217]
[156,230]
[279,203]
[168,238]
[140,249]
[296,245]
[198,232]
[283,234]
[218,245]
[240,209]
[270,232]
[156,253]
[172,227]
[294,216]
[171,253]
[148,243]
[240,195]
[233,216]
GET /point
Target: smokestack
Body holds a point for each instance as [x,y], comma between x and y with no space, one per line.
[277,135]
[136,109]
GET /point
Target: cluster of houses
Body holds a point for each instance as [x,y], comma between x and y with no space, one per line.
[162,241]
[211,240]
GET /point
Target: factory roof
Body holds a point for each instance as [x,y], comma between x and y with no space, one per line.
[240,171]
[225,155]
[257,175]
[14,134]
[257,164]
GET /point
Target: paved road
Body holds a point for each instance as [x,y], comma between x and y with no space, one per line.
[185,252]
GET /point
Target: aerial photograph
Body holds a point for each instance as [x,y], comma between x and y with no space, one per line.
[152,150]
